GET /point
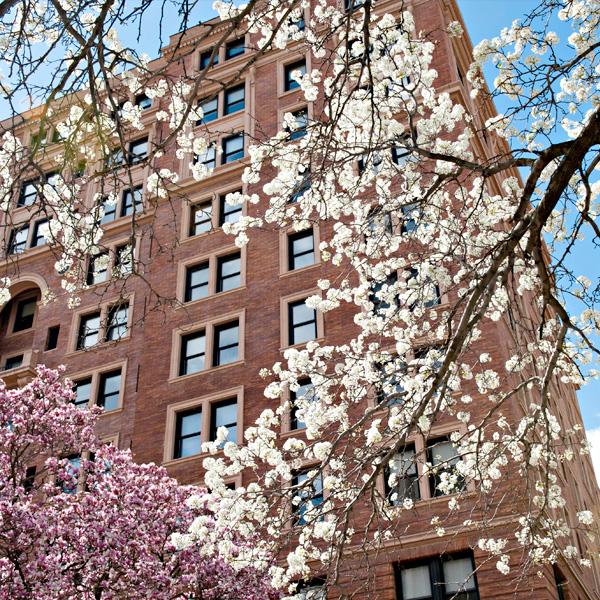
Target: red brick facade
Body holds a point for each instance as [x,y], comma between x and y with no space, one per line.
[152,391]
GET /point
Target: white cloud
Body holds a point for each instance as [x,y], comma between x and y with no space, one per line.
[593,436]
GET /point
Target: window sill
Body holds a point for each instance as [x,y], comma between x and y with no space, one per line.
[98,346]
[16,334]
[178,378]
[288,93]
[106,413]
[289,273]
[192,303]
[302,345]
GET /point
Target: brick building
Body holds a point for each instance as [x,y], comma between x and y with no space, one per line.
[169,374]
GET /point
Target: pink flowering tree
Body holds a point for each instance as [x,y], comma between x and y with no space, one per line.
[79,519]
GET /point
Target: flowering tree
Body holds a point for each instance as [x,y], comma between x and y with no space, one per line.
[89,522]
[435,235]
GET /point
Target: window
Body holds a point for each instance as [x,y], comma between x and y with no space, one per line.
[226,348]
[443,457]
[425,292]
[193,350]
[228,213]
[402,477]
[205,59]
[305,393]
[351,5]
[24,314]
[109,210]
[312,590]
[233,148]
[100,389]
[18,240]
[439,578]
[29,480]
[400,155]
[109,390]
[389,388]
[229,272]
[302,322]
[299,130]
[143,101]
[234,48]
[72,468]
[89,331]
[28,193]
[123,260]
[224,414]
[196,282]
[301,187]
[114,158]
[210,110]
[561,583]
[38,139]
[38,239]
[379,224]
[292,71]
[309,496]
[117,322]
[201,218]
[301,251]
[410,214]
[132,201]
[208,158]
[234,99]
[83,392]
[188,430]
[138,151]
[52,337]
[79,169]
[13,362]
[97,271]
[380,293]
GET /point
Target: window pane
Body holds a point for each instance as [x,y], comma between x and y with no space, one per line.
[25,314]
[193,348]
[233,148]
[230,213]
[303,323]
[109,212]
[234,99]
[13,362]
[201,221]
[310,495]
[110,390]
[226,343]
[88,331]
[18,240]
[97,269]
[224,415]
[28,193]
[132,201]
[205,59]
[143,101]
[210,110]
[301,250]
[196,285]
[416,583]
[208,158]
[235,48]
[228,273]
[83,391]
[138,151]
[38,239]
[295,69]
[458,575]
[117,322]
[188,431]
[305,393]
[301,117]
